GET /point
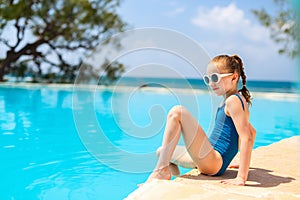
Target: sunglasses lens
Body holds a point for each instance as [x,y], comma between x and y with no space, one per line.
[214,78]
[206,79]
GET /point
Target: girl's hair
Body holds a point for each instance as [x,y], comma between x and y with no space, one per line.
[234,64]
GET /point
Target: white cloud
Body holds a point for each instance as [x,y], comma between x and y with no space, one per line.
[176,11]
[229,20]
[228,30]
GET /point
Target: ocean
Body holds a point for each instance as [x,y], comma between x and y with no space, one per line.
[252,85]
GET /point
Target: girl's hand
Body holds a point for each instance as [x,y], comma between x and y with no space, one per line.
[235,181]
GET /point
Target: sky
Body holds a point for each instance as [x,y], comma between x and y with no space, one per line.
[219,26]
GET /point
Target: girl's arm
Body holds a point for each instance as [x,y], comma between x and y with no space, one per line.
[235,162]
[246,134]
[247,142]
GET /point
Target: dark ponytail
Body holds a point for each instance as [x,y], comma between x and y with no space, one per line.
[245,92]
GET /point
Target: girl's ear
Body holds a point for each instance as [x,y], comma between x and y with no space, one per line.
[235,77]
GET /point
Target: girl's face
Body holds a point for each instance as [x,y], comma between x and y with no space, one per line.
[219,80]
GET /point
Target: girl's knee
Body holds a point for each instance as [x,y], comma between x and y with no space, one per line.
[176,112]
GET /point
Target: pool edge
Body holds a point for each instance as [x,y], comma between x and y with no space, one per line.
[269,177]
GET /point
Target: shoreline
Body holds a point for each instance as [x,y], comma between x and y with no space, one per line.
[71,87]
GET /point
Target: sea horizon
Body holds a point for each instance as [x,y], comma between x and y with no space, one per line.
[280,86]
[195,83]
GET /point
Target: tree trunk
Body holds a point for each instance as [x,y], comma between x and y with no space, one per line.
[1,72]
[10,58]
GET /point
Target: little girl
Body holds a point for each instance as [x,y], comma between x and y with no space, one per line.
[232,129]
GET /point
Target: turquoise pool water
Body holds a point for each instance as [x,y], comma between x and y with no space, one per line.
[42,155]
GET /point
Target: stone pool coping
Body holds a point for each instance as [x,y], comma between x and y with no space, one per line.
[274,174]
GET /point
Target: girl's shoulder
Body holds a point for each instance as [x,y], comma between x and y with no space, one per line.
[236,105]
[234,97]
[235,100]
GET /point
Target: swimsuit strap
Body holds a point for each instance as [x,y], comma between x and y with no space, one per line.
[240,100]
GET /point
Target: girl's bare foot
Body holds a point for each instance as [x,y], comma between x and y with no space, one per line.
[162,174]
[174,169]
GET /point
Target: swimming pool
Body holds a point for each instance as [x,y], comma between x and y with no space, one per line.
[42,155]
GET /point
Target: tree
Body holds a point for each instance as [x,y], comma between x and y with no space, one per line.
[53,37]
[284,26]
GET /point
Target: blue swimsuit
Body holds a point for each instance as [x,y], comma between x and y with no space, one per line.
[224,137]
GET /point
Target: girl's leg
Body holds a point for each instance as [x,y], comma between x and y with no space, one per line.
[207,160]
[180,158]
[180,120]
[170,140]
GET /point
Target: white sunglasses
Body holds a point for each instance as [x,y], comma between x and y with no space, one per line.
[215,77]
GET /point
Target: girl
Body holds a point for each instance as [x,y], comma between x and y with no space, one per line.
[232,128]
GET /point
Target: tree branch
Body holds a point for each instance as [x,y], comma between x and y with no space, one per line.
[20,33]
[6,42]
